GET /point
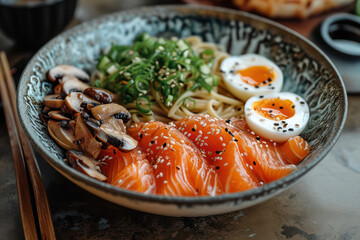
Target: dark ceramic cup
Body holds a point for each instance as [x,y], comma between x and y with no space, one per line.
[31,25]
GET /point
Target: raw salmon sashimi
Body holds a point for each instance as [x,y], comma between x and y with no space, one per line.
[179,167]
[263,160]
[130,170]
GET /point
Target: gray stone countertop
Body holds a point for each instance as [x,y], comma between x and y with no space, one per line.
[322,205]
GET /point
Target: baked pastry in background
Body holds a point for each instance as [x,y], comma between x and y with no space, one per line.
[289,8]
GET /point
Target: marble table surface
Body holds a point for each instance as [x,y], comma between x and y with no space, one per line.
[323,205]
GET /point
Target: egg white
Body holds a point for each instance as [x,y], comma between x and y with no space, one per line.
[241,89]
[279,131]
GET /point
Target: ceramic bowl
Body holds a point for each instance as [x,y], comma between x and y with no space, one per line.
[307,72]
[31,24]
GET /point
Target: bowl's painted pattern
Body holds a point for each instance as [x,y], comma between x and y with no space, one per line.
[307,72]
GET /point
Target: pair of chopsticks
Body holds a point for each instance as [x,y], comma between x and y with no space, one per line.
[21,149]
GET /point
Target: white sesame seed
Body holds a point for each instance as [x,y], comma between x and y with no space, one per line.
[165,182]
[225,164]
[200,132]
[221,138]
[245,153]
[223,144]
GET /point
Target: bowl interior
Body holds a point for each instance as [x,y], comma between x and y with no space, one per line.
[307,71]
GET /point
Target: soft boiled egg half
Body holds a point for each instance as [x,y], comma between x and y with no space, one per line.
[277,116]
[251,74]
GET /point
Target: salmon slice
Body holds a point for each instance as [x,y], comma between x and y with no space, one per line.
[179,167]
[233,173]
[295,149]
[130,170]
[264,160]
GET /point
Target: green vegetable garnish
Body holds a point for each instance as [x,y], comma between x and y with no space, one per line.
[169,67]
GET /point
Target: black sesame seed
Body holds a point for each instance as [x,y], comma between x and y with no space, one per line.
[283,121]
[285,130]
[114,151]
[264,82]
[261,96]
[293,106]
[217,167]
[152,142]
[177,167]
[239,109]
[272,88]
[222,71]
[254,162]
[279,128]
[285,125]
[269,79]
[270,111]
[281,108]
[193,129]
[302,102]
[230,133]
[276,124]
[197,189]
[246,88]
[256,86]
[269,84]
[226,130]
[236,140]
[291,129]
[258,138]
[217,152]
[164,145]
[232,71]
[227,121]
[141,135]
[273,104]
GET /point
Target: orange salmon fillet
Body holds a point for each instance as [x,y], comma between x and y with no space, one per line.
[179,167]
[130,170]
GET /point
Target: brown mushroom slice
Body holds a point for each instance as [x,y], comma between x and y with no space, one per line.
[87,141]
[120,140]
[85,164]
[115,110]
[101,95]
[63,136]
[116,124]
[76,102]
[72,84]
[58,72]
[58,89]
[53,101]
[56,115]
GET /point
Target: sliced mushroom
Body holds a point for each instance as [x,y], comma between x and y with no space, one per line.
[56,115]
[115,110]
[77,102]
[57,73]
[72,84]
[53,101]
[63,136]
[87,141]
[58,89]
[118,139]
[116,124]
[100,95]
[85,164]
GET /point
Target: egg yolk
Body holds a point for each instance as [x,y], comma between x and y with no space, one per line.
[257,75]
[275,108]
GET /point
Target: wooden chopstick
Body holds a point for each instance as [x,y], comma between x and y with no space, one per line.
[27,215]
[41,201]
